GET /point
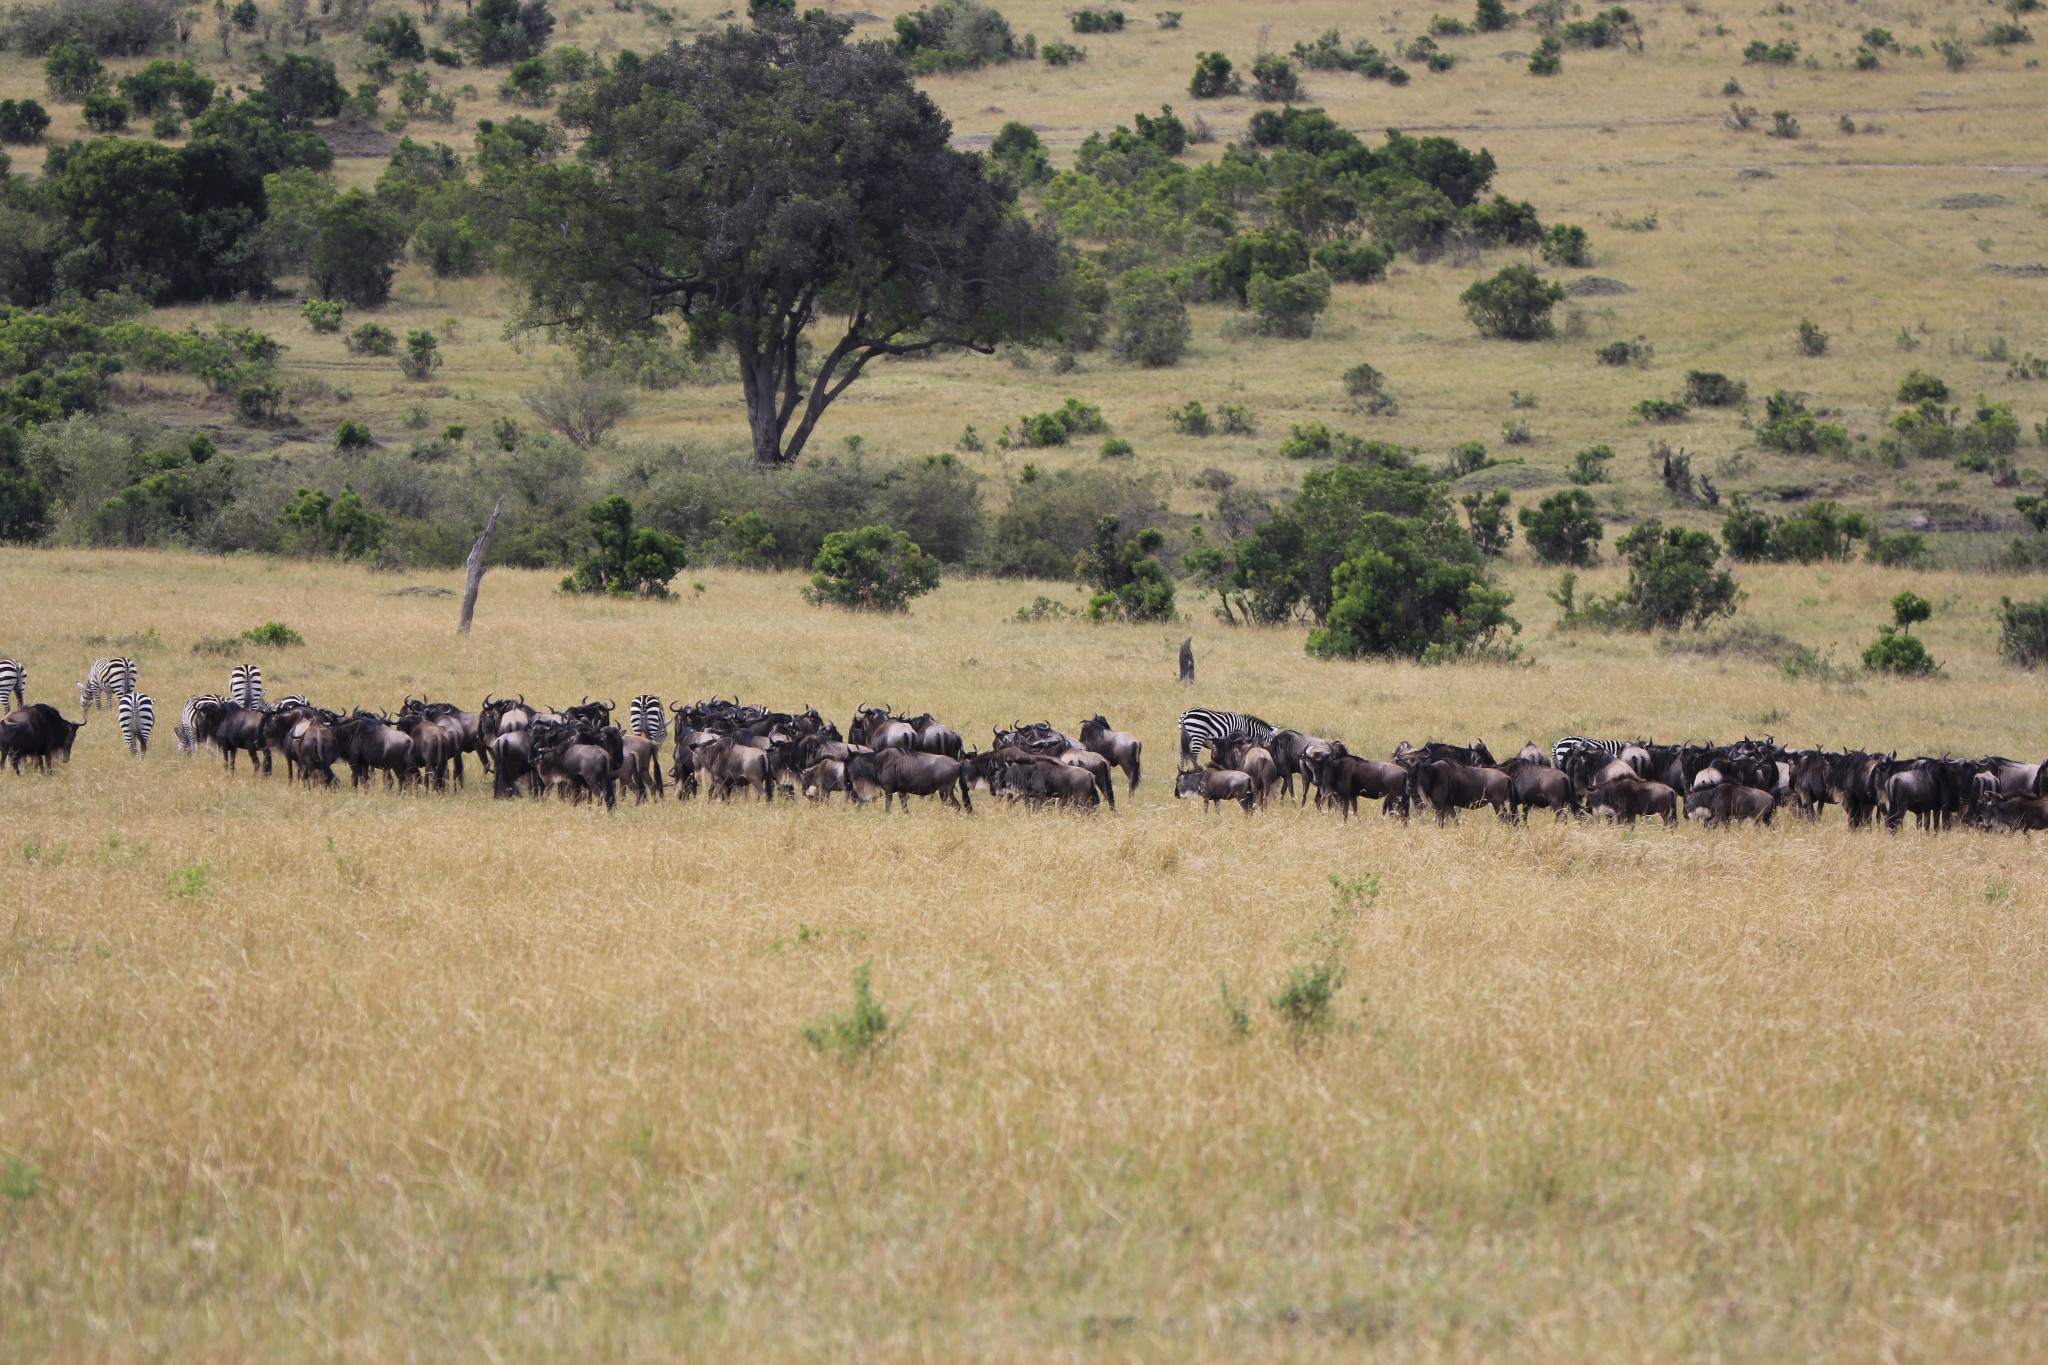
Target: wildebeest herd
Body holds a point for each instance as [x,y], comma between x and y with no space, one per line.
[719,748]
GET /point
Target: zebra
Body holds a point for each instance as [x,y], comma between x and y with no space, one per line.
[1200,729]
[138,717]
[13,683]
[245,685]
[294,702]
[106,678]
[1577,747]
[648,719]
[188,719]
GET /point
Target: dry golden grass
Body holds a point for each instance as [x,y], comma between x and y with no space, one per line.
[431,1077]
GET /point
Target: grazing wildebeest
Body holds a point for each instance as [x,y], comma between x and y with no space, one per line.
[38,734]
[1251,759]
[824,777]
[899,774]
[1531,783]
[1930,789]
[1215,786]
[1124,750]
[1041,781]
[1627,798]
[233,728]
[1447,788]
[1343,778]
[2023,813]
[1725,803]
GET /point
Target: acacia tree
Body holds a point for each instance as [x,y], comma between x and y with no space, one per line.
[758,183]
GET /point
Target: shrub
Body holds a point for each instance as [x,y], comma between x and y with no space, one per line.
[1129,583]
[1812,340]
[356,241]
[1515,304]
[1894,651]
[1190,419]
[1761,53]
[1236,419]
[876,568]
[625,562]
[353,436]
[1097,20]
[124,28]
[1275,80]
[1789,427]
[1213,78]
[2023,632]
[398,37]
[372,339]
[1564,528]
[1819,531]
[1992,435]
[1018,150]
[858,1035]
[1063,54]
[1486,517]
[1711,389]
[1672,580]
[1662,410]
[1607,28]
[1590,465]
[71,73]
[1367,389]
[1072,418]
[1117,448]
[422,355]
[273,635]
[1492,16]
[106,113]
[1399,593]
[323,315]
[300,89]
[1288,306]
[1152,326]
[581,407]
[1548,58]
[1306,1001]
[1567,245]
[1352,262]
[1619,353]
[2004,34]
[500,32]
[1953,54]
[531,82]
[1785,126]
[1897,549]
[22,122]
[955,35]
[1920,387]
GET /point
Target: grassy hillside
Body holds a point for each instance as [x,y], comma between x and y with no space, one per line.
[425,1076]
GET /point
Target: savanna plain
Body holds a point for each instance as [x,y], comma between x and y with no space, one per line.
[293,1074]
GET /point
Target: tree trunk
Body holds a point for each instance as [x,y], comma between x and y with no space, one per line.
[1187,661]
[475,578]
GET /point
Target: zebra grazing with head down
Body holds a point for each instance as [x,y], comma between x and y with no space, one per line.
[188,720]
[1575,753]
[106,679]
[1201,729]
[245,685]
[13,683]
[647,718]
[137,714]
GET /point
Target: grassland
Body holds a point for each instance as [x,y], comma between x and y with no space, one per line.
[433,1077]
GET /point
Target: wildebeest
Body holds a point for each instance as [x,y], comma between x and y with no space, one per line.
[929,736]
[874,727]
[1534,783]
[570,759]
[437,741]
[38,734]
[725,764]
[1215,786]
[1628,798]
[368,743]
[310,747]
[1041,781]
[1726,803]
[233,728]
[640,764]
[901,774]
[1124,750]
[2024,813]
[1447,787]
[1253,760]
[1343,778]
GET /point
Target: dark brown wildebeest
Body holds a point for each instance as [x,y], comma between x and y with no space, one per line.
[567,760]
[512,761]
[310,748]
[1124,750]
[641,764]
[1628,798]
[899,774]
[1538,784]
[725,764]
[824,777]
[876,728]
[1041,781]
[1533,754]
[1187,662]
[1930,789]
[1854,780]
[1726,803]
[2023,813]
[1343,778]
[37,733]
[1253,760]
[1215,786]
[1447,788]
[929,736]
[1095,765]
[436,744]
[232,728]
[1808,787]
[367,741]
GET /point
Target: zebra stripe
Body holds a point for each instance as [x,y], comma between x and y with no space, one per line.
[292,702]
[188,721]
[106,678]
[245,685]
[13,683]
[649,720]
[1578,746]
[1200,729]
[138,717]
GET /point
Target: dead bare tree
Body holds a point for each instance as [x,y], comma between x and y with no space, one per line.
[475,578]
[582,407]
[1187,661]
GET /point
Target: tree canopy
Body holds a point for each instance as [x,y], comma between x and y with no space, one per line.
[760,181]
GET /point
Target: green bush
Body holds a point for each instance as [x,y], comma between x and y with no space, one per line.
[1673,580]
[1789,427]
[1920,387]
[106,113]
[354,436]
[1663,410]
[1493,16]
[1486,517]
[1812,340]
[273,635]
[625,561]
[1590,464]
[1275,80]
[1117,448]
[1565,528]
[1213,78]
[2023,632]
[530,82]
[1548,58]
[1819,531]
[1352,262]
[1063,54]
[71,72]
[1620,353]
[1236,419]
[1288,306]
[1306,1001]
[1097,20]
[858,1035]
[1761,53]
[1397,593]
[1129,582]
[323,315]
[422,355]
[398,37]
[1018,150]
[1190,419]
[1515,304]
[955,35]
[1897,549]
[372,339]
[1070,419]
[22,122]
[1896,652]
[1152,327]
[1712,389]
[876,568]
[500,32]
[1567,245]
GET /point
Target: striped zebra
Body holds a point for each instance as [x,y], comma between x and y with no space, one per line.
[245,685]
[106,679]
[648,719]
[137,714]
[1200,729]
[292,703]
[188,721]
[13,683]
[1576,748]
